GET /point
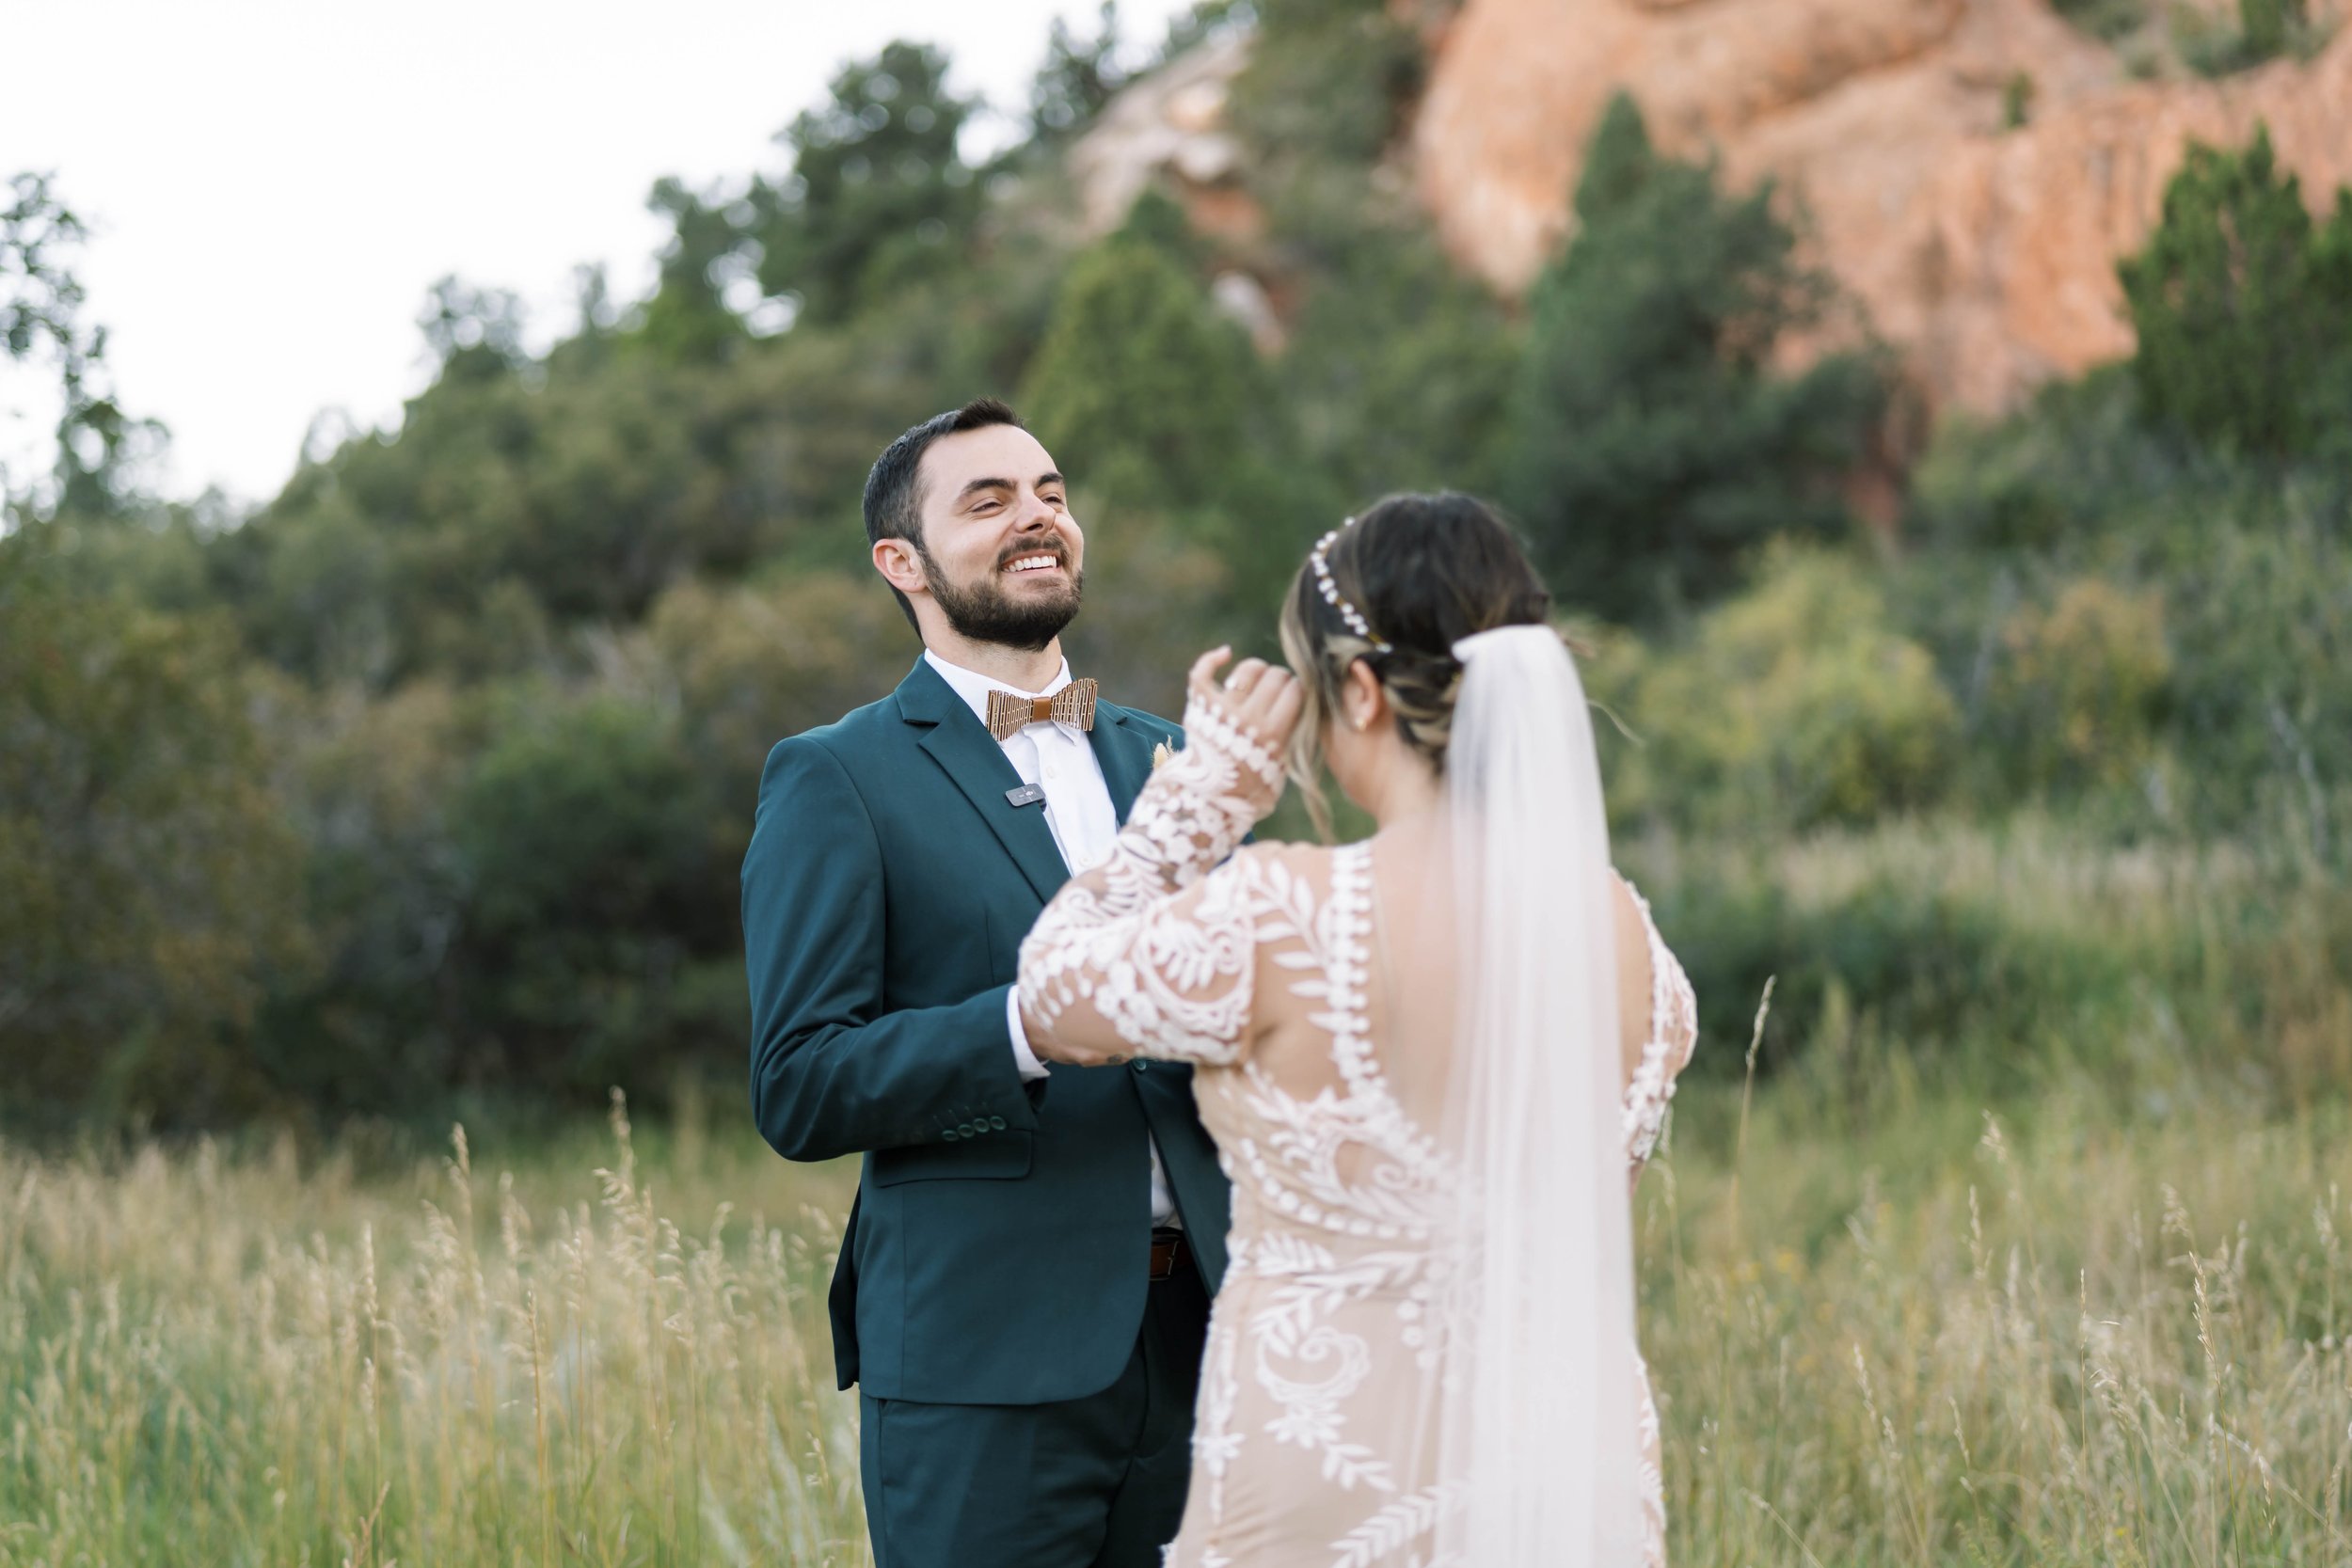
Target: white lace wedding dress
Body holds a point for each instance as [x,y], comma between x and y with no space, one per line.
[1313,1442]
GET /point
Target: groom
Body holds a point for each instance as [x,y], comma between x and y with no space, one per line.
[1023,1284]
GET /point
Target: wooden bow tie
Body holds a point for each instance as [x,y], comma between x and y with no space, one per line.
[1009,713]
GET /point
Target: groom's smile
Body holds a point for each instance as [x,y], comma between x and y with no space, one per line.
[1033,562]
[995,548]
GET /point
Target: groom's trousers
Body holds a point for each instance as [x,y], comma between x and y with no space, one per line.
[1091,1483]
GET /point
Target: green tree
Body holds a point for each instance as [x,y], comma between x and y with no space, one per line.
[592,949]
[149,886]
[2111,19]
[1151,397]
[689,318]
[754,662]
[2272,26]
[2210,45]
[474,334]
[512,509]
[376,1025]
[1654,445]
[2243,307]
[1326,80]
[1138,365]
[879,195]
[1396,367]
[1078,78]
[1399,369]
[99,446]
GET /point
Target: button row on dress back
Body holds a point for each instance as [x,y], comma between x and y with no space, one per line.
[1351,883]
[1354,897]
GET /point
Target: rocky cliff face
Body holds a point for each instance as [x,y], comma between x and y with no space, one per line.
[1985,252]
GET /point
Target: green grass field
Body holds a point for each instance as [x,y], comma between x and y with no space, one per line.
[1931,1339]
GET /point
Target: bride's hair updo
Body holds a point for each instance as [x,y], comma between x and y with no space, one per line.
[1421,573]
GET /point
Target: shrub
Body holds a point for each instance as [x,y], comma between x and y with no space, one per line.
[2265,29]
[2076,699]
[2111,20]
[2247,556]
[1909,965]
[1795,703]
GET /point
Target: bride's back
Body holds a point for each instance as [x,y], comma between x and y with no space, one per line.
[1322,1381]
[1400,887]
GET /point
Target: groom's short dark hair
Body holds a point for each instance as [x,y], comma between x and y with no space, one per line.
[894,491]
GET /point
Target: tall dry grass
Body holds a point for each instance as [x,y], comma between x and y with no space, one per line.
[1949,1340]
[1942,1340]
[211,1361]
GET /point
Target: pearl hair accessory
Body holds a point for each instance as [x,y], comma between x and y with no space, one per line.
[1330,590]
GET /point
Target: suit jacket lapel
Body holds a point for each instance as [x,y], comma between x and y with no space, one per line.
[962,746]
[1124,752]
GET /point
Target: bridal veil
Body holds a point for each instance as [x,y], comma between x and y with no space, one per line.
[1538,1453]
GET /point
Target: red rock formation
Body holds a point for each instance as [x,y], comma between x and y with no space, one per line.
[1986,254]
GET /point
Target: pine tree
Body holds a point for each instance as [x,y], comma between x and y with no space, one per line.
[1653,444]
[1154,402]
[1078,78]
[2244,311]
[878,194]
[688,319]
[1139,373]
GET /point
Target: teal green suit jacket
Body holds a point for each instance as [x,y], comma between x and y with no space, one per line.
[997,1252]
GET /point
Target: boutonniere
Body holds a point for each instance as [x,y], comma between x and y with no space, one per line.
[1160,753]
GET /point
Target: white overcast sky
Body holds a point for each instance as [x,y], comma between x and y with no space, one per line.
[275,183]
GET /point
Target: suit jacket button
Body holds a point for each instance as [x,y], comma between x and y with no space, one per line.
[996,1124]
[1135,1066]
[965,1131]
[948,1133]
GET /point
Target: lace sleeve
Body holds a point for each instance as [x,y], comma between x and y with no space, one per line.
[1673,1034]
[1152,953]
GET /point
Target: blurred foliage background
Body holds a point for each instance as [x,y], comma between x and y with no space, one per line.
[424,785]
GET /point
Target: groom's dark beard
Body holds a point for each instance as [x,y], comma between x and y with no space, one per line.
[984,612]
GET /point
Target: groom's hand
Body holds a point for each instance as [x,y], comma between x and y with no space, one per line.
[1261,700]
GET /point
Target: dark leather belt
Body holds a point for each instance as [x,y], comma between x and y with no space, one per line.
[1168,1250]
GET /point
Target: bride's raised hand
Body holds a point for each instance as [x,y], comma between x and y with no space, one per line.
[1260,704]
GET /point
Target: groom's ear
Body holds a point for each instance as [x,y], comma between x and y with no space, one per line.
[898,563]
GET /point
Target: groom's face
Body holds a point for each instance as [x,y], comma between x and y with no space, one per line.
[1002,557]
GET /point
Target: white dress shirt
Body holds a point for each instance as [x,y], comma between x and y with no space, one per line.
[1062,761]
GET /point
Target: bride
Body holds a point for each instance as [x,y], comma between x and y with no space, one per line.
[1430,1061]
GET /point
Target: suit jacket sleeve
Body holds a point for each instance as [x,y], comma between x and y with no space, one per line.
[832,1071]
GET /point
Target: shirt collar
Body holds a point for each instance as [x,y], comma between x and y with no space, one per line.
[974,687]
